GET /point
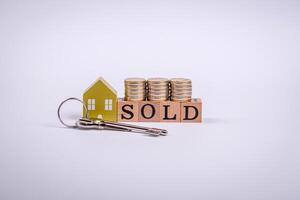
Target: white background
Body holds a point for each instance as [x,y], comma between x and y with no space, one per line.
[243,58]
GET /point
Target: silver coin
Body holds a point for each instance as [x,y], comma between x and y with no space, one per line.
[157,99]
[135,90]
[181,93]
[157,80]
[134,99]
[181,100]
[135,80]
[180,80]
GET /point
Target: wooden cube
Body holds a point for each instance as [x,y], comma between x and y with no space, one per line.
[128,111]
[191,111]
[149,111]
[170,111]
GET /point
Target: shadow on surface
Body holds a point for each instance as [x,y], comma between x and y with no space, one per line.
[211,120]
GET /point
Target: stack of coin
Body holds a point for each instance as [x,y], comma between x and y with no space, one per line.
[181,89]
[158,89]
[135,89]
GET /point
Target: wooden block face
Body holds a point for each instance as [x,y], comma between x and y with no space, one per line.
[149,111]
[191,111]
[128,111]
[170,111]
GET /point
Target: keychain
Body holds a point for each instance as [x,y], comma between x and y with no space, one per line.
[98,124]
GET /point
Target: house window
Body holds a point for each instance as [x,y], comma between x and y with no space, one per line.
[91,104]
[108,104]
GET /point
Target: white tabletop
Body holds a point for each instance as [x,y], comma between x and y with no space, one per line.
[242,57]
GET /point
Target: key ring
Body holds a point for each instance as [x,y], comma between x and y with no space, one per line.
[86,123]
[69,99]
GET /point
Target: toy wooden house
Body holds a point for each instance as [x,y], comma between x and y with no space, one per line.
[101,101]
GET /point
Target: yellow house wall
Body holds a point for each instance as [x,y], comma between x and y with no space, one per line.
[100,92]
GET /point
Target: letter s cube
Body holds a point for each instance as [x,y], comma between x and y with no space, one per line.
[128,111]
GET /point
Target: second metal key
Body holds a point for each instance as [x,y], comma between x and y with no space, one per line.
[85,123]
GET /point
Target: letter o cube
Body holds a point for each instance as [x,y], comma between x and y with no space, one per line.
[149,111]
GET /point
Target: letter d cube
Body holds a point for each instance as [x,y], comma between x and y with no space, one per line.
[191,111]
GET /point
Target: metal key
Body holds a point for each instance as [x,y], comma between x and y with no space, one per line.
[85,123]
